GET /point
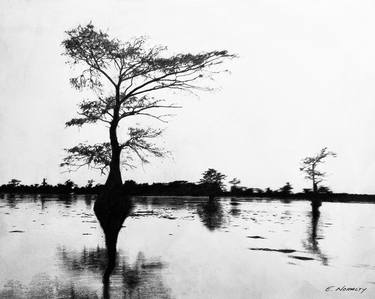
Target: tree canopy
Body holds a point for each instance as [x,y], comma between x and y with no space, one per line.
[286,189]
[310,164]
[125,78]
[214,178]
[235,182]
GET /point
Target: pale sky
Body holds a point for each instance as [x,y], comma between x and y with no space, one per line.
[305,79]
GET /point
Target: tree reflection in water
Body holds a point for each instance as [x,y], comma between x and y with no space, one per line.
[94,260]
[43,286]
[89,198]
[235,210]
[312,243]
[143,279]
[140,279]
[11,201]
[211,214]
[111,210]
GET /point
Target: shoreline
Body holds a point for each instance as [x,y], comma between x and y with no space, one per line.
[334,197]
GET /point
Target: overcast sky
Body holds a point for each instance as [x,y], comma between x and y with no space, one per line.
[305,79]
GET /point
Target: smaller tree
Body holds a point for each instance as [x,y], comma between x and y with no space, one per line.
[213,179]
[286,189]
[310,164]
[324,189]
[234,182]
[90,183]
[44,182]
[14,182]
[70,185]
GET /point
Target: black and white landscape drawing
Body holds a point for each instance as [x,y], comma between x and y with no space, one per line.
[187,149]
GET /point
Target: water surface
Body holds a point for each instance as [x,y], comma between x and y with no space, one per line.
[53,247]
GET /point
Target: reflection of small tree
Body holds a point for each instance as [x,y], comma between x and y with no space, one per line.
[213,179]
[310,164]
[312,243]
[286,189]
[211,215]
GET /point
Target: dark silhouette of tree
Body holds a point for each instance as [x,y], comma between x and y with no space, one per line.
[268,191]
[14,182]
[126,78]
[324,189]
[44,182]
[310,164]
[69,184]
[286,189]
[213,180]
[90,183]
[234,182]
[259,191]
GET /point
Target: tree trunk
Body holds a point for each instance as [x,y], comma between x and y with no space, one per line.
[315,187]
[114,180]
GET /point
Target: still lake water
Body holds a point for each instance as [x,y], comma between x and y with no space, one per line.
[53,247]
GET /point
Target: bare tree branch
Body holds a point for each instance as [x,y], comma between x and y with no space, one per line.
[135,72]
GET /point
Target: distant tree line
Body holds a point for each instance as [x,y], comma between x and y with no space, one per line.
[204,187]
[210,184]
[15,186]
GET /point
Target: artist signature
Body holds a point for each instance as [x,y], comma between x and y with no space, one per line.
[346,289]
